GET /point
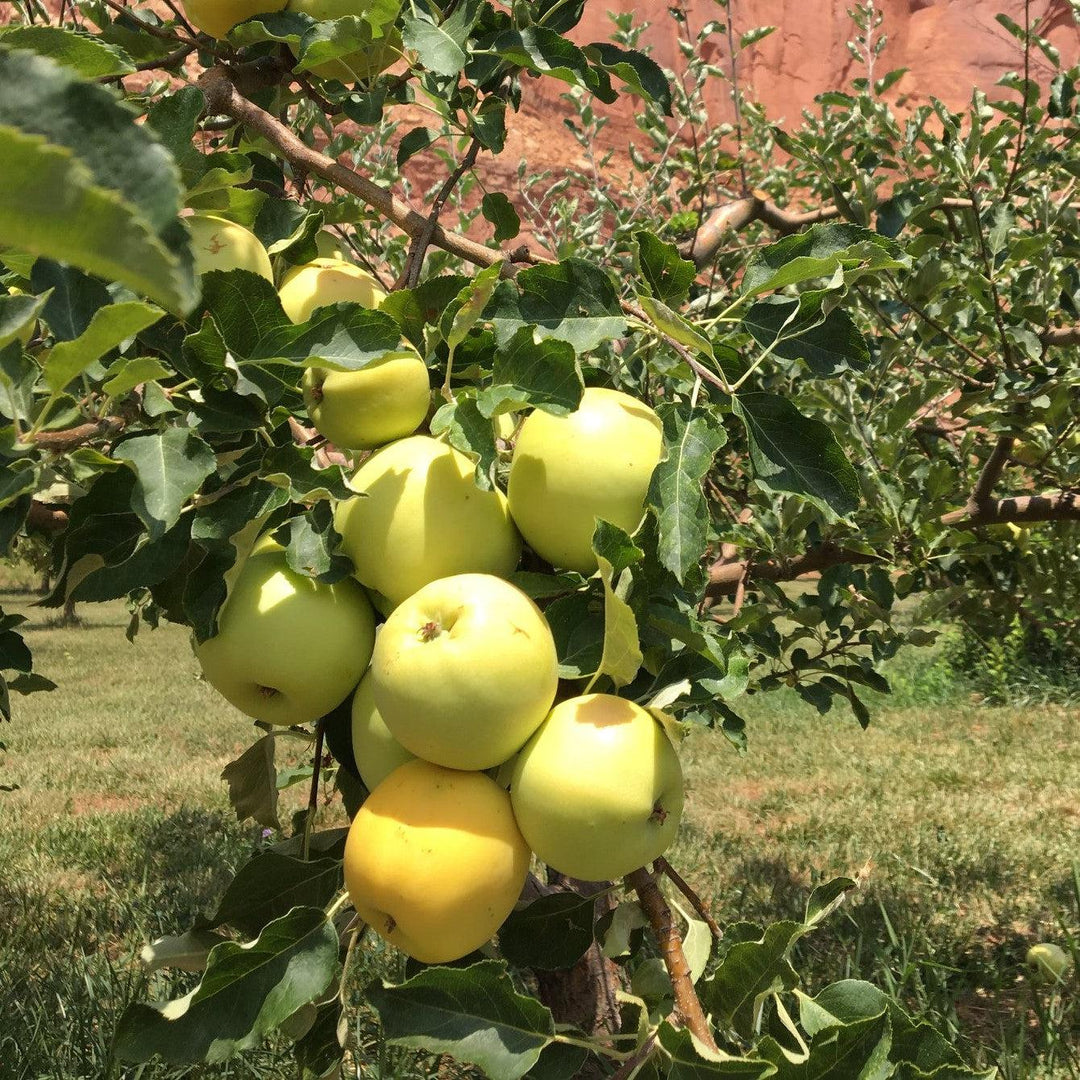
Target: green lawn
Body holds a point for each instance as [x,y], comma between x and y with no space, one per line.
[120,831]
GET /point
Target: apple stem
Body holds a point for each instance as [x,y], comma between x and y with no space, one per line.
[430,631]
[313,793]
[687,1004]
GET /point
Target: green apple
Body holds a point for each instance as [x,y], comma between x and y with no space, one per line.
[598,790]
[464,671]
[218,17]
[219,244]
[327,281]
[376,751]
[567,471]
[357,410]
[288,648]
[1048,962]
[418,516]
[434,861]
[363,64]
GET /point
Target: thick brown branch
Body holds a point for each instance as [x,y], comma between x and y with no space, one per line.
[724,578]
[223,98]
[992,470]
[43,517]
[1061,335]
[61,442]
[687,1003]
[1053,506]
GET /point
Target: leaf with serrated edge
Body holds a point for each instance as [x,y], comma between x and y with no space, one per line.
[692,1060]
[264,982]
[621,659]
[252,781]
[85,54]
[472,1013]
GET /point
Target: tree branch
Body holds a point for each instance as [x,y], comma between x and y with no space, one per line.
[992,470]
[61,442]
[1053,506]
[687,1004]
[44,517]
[223,98]
[661,865]
[1061,335]
[724,578]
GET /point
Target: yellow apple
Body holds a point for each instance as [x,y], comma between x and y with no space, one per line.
[218,17]
[327,281]
[598,790]
[464,671]
[363,64]
[434,861]
[357,410]
[330,246]
[219,244]
[567,471]
[376,751]
[1048,962]
[418,516]
[288,648]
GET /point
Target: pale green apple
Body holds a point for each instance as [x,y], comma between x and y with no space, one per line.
[1048,962]
[434,861]
[567,471]
[418,516]
[218,17]
[598,790]
[330,246]
[357,410]
[464,671]
[288,648]
[220,244]
[376,751]
[362,64]
[327,281]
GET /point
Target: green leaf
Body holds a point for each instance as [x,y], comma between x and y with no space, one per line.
[748,974]
[621,658]
[126,374]
[855,1051]
[545,52]
[826,898]
[270,885]
[85,184]
[252,781]
[796,329]
[615,544]
[751,37]
[674,325]
[73,297]
[85,54]
[526,372]
[413,142]
[794,453]
[470,432]
[818,252]
[187,952]
[577,624]
[311,542]
[690,1060]
[469,306]
[572,301]
[669,275]
[472,1013]
[109,327]
[169,468]
[675,492]
[499,210]
[17,313]
[319,1053]
[253,327]
[441,47]
[552,932]
[413,309]
[640,72]
[247,991]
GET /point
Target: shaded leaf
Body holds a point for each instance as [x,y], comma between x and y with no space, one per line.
[526,372]
[499,210]
[252,781]
[552,932]
[669,275]
[639,71]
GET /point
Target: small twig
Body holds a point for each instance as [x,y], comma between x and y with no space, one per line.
[635,1060]
[414,261]
[687,1004]
[663,866]
[1018,155]
[313,793]
[175,57]
[61,442]
[688,357]
[150,28]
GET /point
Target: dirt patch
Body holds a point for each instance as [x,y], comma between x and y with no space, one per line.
[99,803]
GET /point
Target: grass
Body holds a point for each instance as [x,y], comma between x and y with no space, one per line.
[120,831]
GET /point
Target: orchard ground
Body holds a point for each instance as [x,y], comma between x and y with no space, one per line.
[120,831]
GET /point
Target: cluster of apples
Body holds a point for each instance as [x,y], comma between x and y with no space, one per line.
[218,17]
[454,695]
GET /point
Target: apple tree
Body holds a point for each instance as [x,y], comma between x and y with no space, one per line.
[857,344]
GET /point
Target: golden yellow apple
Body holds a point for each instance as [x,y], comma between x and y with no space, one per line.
[434,861]
[218,17]
[219,244]
[327,281]
[288,648]
[464,671]
[418,516]
[598,790]
[356,410]
[376,751]
[567,471]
